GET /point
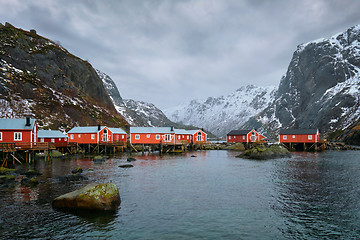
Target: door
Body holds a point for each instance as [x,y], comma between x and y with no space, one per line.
[253,137]
[167,137]
[105,135]
[199,137]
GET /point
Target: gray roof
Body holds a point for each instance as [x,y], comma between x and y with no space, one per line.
[16,124]
[51,134]
[192,132]
[117,130]
[89,129]
[298,131]
[239,132]
[151,130]
[181,131]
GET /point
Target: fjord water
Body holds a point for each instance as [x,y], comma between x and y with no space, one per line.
[211,196]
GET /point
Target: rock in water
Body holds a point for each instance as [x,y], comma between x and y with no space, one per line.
[263,153]
[103,196]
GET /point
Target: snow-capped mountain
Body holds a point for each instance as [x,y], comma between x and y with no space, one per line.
[222,114]
[321,88]
[136,113]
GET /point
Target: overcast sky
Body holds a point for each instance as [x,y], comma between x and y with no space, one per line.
[171,51]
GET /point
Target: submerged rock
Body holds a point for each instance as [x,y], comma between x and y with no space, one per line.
[29,182]
[92,197]
[77,170]
[72,178]
[263,153]
[131,159]
[126,166]
[32,173]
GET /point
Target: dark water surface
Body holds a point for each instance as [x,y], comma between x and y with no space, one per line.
[211,196]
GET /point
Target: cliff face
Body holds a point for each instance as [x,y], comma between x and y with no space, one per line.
[321,88]
[40,78]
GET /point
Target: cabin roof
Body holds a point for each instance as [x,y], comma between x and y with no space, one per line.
[89,129]
[151,130]
[298,131]
[117,131]
[239,132]
[192,132]
[181,131]
[16,124]
[51,134]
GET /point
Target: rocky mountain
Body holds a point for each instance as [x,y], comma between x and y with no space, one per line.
[222,114]
[321,89]
[40,78]
[137,113]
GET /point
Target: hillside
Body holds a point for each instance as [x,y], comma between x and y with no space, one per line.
[40,78]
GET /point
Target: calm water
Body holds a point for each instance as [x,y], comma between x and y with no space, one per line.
[211,196]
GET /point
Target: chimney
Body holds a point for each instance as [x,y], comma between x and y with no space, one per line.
[27,121]
[171,128]
[99,127]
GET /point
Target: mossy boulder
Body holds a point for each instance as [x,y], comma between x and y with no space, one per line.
[263,153]
[131,159]
[103,196]
[7,180]
[77,170]
[5,171]
[236,147]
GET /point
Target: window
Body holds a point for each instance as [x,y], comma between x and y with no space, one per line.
[310,137]
[243,137]
[284,137]
[59,139]
[179,137]
[93,136]
[72,136]
[293,136]
[0,136]
[158,137]
[168,137]
[188,137]
[229,137]
[137,136]
[122,136]
[53,140]
[148,136]
[79,136]
[41,140]
[17,136]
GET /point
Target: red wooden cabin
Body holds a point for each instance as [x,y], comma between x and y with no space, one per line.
[18,130]
[95,135]
[119,135]
[198,136]
[299,136]
[54,136]
[244,136]
[152,135]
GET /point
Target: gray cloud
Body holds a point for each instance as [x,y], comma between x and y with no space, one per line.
[167,52]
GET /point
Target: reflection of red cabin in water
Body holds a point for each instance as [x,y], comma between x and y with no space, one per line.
[244,136]
[54,136]
[96,134]
[18,130]
[299,136]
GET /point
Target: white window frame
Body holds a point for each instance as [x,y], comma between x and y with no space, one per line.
[188,137]
[179,137]
[293,136]
[71,136]
[137,136]
[122,136]
[244,137]
[53,140]
[59,139]
[92,136]
[79,135]
[0,136]
[284,137]
[42,140]
[310,137]
[158,137]
[17,136]
[148,136]
[167,137]
[229,137]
